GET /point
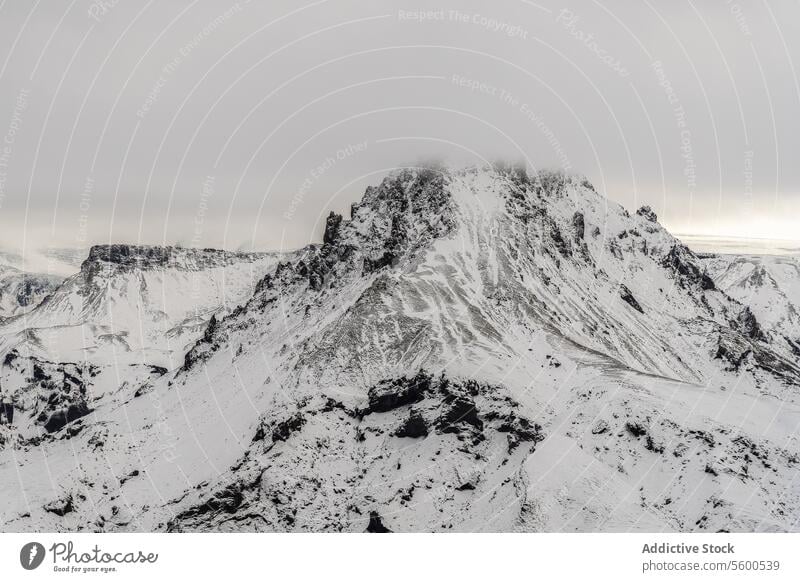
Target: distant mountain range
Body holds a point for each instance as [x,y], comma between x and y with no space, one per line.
[476,349]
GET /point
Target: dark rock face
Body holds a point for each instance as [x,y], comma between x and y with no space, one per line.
[776,365]
[376,524]
[20,291]
[210,329]
[61,418]
[636,429]
[459,410]
[682,261]
[520,430]
[130,255]
[393,222]
[332,224]
[738,352]
[414,427]
[794,345]
[579,223]
[529,204]
[466,409]
[29,290]
[387,259]
[419,209]
[227,500]
[647,213]
[209,341]
[747,323]
[60,507]
[230,500]
[628,298]
[391,394]
[55,393]
[402,215]
[561,244]
[732,350]
[651,445]
[284,429]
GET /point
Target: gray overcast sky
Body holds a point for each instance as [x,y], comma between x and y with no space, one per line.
[242,124]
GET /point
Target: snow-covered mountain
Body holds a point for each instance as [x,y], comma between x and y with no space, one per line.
[136,304]
[20,291]
[126,318]
[480,349]
[769,284]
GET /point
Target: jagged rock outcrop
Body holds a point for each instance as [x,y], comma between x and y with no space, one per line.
[685,265]
[647,213]
[628,298]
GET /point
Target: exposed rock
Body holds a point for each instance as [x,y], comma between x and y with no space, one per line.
[144,257]
[391,394]
[61,418]
[682,261]
[647,213]
[560,243]
[652,445]
[747,323]
[635,428]
[60,507]
[285,428]
[332,225]
[376,524]
[732,350]
[413,427]
[129,476]
[459,410]
[578,222]
[628,298]
[228,500]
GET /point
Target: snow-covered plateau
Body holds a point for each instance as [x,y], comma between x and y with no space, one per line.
[471,350]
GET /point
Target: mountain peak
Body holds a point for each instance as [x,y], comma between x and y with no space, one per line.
[647,213]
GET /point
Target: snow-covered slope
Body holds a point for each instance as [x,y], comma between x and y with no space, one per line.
[769,284]
[126,318]
[136,304]
[20,291]
[472,350]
